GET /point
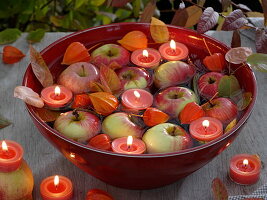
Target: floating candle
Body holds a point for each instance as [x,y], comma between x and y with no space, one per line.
[206,129]
[128,145]
[56,188]
[147,58]
[245,169]
[136,99]
[173,51]
[56,96]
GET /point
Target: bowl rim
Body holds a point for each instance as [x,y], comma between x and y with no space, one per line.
[240,123]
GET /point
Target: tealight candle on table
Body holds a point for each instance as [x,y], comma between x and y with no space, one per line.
[56,96]
[173,51]
[206,129]
[128,145]
[56,188]
[245,169]
[147,58]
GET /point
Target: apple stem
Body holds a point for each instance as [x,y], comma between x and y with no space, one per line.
[94,46]
[83,70]
[209,100]
[76,114]
[204,40]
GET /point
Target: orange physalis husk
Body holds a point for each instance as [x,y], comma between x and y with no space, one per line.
[154,116]
[76,52]
[215,62]
[47,115]
[191,112]
[97,194]
[81,101]
[134,40]
[101,141]
[11,55]
[104,103]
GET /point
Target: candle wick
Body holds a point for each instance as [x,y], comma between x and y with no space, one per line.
[128,147]
[205,128]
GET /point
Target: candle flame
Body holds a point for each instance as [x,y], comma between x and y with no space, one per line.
[57,90]
[137,94]
[72,155]
[145,53]
[4,146]
[56,180]
[245,162]
[173,44]
[129,141]
[206,123]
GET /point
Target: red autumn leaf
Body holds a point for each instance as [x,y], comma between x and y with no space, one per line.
[191,112]
[11,55]
[215,62]
[47,115]
[97,194]
[219,190]
[109,79]
[234,20]
[208,20]
[104,103]
[76,52]
[101,141]
[139,38]
[81,101]
[154,116]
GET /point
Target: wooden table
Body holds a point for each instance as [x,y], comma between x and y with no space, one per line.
[45,160]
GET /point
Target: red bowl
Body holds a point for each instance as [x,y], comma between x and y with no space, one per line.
[136,171]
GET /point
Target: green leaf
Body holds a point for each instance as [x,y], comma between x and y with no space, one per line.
[258,61]
[36,36]
[9,35]
[243,103]
[230,126]
[136,7]
[97,2]
[4,122]
[228,86]
[122,13]
[79,3]
[219,190]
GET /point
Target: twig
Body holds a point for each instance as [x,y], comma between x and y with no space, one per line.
[206,46]
[46,4]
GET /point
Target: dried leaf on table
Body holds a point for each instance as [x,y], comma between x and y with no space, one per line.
[245,100]
[236,40]
[219,190]
[228,86]
[261,41]
[4,122]
[234,20]
[11,55]
[47,115]
[148,12]
[230,126]
[238,55]
[36,35]
[264,8]
[159,31]
[258,61]
[40,68]
[194,13]
[28,96]
[208,20]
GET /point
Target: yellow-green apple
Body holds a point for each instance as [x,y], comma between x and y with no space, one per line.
[134,77]
[110,54]
[173,73]
[208,84]
[172,100]
[78,125]
[77,77]
[121,124]
[222,109]
[166,137]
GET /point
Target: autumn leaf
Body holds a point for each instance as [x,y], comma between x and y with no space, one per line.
[40,68]
[230,126]
[180,17]
[119,3]
[36,35]
[194,13]
[219,190]
[236,40]
[243,7]
[11,55]
[264,8]
[225,4]
[238,55]
[4,122]
[234,20]
[159,31]
[208,20]
[9,35]
[148,12]
[244,102]
[228,86]
[96,87]
[47,115]
[258,61]
[261,41]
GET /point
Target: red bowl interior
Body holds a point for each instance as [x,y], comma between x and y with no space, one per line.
[139,171]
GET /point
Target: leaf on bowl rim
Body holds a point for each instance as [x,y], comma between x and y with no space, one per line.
[208,20]
[159,31]
[219,190]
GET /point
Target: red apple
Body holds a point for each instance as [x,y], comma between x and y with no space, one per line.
[134,77]
[121,124]
[173,73]
[165,138]
[208,84]
[78,76]
[173,99]
[110,53]
[222,109]
[78,125]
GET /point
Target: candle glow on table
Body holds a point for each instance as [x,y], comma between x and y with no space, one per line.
[173,51]
[147,58]
[245,169]
[56,188]
[206,129]
[56,96]
[136,99]
[11,154]
[128,145]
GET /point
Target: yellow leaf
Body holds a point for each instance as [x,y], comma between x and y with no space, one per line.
[159,31]
[254,14]
[230,126]
[194,13]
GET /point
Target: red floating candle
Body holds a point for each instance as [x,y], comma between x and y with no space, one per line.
[245,169]
[147,58]
[128,145]
[56,96]
[173,51]
[56,188]
[206,129]
[136,99]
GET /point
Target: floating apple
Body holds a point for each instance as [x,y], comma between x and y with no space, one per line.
[121,124]
[110,53]
[215,62]
[173,99]
[134,77]
[78,125]
[166,137]
[173,73]
[78,76]
[222,109]
[208,84]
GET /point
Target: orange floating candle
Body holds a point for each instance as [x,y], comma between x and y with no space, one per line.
[147,58]
[245,169]
[173,51]
[128,145]
[56,188]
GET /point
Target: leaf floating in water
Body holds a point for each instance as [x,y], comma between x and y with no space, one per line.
[219,190]
[47,115]
[244,102]
[159,31]
[11,55]
[230,126]
[228,86]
